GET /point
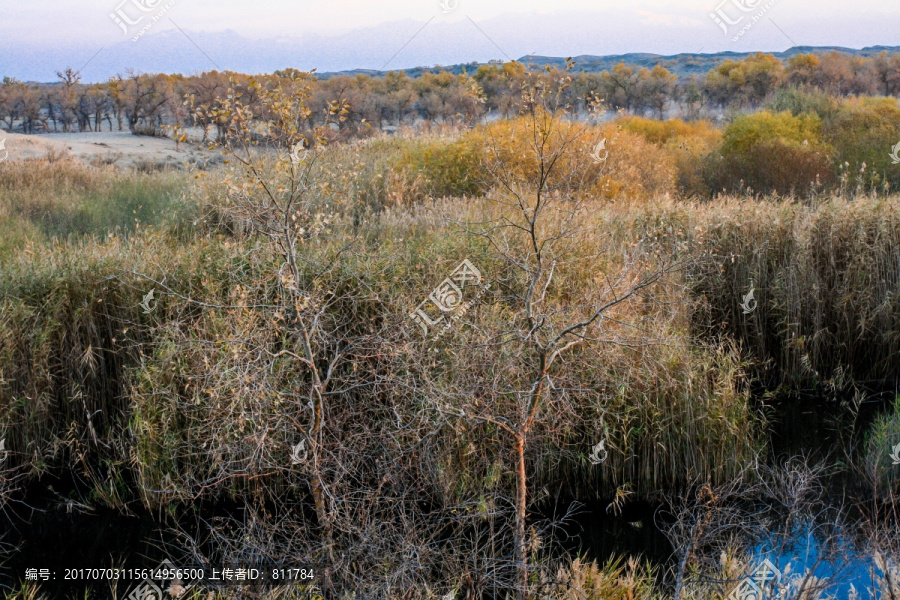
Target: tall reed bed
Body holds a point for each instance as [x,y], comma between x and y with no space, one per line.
[189,400]
[826,278]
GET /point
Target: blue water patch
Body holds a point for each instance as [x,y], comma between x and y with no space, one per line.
[837,562]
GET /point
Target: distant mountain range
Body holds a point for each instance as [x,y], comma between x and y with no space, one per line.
[602,37]
[683,65]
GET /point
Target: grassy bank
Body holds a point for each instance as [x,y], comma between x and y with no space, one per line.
[304,391]
[59,198]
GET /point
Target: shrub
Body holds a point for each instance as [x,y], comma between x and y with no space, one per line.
[507,153]
[799,101]
[688,145]
[770,153]
[371,175]
[863,131]
[883,438]
[635,167]
[749,130]
[671,130]
[469,165]
[445,168]
[149,130]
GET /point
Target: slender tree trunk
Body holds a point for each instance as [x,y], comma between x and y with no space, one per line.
[679,577]
[318,488]
[522,553]
[521,505]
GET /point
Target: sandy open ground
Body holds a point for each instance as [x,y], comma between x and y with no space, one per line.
[121,148]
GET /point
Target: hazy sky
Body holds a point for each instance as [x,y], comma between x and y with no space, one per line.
[37,37]
[88,20]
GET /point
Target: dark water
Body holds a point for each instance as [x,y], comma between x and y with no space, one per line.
[815,427]
[821,427]
[45,532]
[50,529]
[824,429]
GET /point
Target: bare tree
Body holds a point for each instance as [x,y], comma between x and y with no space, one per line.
[70,80]
[533,227]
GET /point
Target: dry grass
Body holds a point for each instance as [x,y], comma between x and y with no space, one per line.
[201,398]
[826,279]
[44,199]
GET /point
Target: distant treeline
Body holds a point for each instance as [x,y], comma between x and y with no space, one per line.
[146,103]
